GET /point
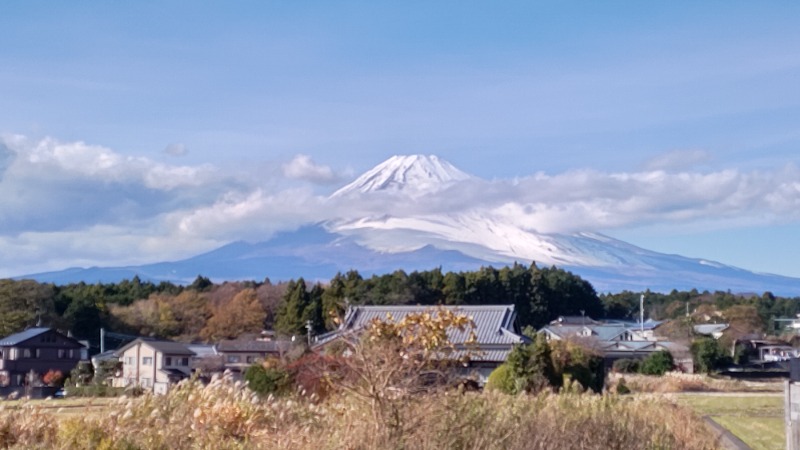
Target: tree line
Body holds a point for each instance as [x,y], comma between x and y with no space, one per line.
[207,311]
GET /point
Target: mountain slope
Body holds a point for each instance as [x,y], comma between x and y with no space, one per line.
[460,239]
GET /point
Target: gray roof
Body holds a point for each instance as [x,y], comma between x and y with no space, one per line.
[638,346]
[710,328]
[494,324]
[202,350]
[599,332]
[22,336]
[166,347]
[30,333]
[574,320]
[253,346]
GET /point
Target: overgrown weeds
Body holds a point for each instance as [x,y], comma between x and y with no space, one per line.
[226,415]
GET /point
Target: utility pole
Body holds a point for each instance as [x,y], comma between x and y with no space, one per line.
[641,313]
[309,325]
[102,340]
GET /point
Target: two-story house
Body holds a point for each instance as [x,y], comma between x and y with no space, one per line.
[37,350]
[154,365]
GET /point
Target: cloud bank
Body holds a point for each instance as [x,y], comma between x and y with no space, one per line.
[65,204]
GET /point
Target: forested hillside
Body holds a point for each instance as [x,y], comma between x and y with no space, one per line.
[204,311]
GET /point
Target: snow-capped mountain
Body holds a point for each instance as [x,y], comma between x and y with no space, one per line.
[408,233]
[413,175]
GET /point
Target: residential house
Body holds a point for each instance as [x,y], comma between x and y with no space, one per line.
[36,350]
[154,365]
[618,339]
[239,354]
[495,328]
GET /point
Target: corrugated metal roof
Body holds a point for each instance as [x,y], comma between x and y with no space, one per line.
[710,328]
[494,324]
[22,336]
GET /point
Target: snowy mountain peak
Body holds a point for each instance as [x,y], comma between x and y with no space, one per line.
[410,174]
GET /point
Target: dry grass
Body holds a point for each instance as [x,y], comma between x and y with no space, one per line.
[225,415]
[674,382]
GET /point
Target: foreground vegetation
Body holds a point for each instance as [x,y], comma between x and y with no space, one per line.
[224,415]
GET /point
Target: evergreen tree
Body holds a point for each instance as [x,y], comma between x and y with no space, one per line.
[291,317]
[313,311]
[334,301]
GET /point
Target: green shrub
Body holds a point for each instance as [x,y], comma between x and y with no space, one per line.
[267,380]
[657,363]
[622,388]
[502,379]
[626,365]
[708,355]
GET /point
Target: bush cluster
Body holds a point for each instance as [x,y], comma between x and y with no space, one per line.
[541,366]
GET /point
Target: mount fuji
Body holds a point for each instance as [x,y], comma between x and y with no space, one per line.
[397,216]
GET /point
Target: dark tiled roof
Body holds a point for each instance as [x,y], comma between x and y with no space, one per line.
[494,324]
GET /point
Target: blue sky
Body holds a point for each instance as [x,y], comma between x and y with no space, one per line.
[121,122]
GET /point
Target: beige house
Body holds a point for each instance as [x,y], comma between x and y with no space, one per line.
[153,365]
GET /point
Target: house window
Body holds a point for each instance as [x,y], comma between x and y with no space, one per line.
[37,353]
[146,382]
[26,353]
[184,361]
[251,359]
[62,353]
[147,361]
[129,360]
[233,359]
[168,360]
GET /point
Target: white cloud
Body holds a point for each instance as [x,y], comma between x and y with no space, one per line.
[251,216]
[302,167]
[68,204]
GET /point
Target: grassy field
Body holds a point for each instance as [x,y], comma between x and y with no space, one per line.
[755,419]
[76,406]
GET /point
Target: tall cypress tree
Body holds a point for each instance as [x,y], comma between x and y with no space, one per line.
[290,319]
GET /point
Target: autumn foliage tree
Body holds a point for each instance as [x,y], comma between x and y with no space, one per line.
[243,314]
[393,360]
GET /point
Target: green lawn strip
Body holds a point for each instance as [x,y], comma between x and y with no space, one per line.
[760,433]
[756,420]
[767,405]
